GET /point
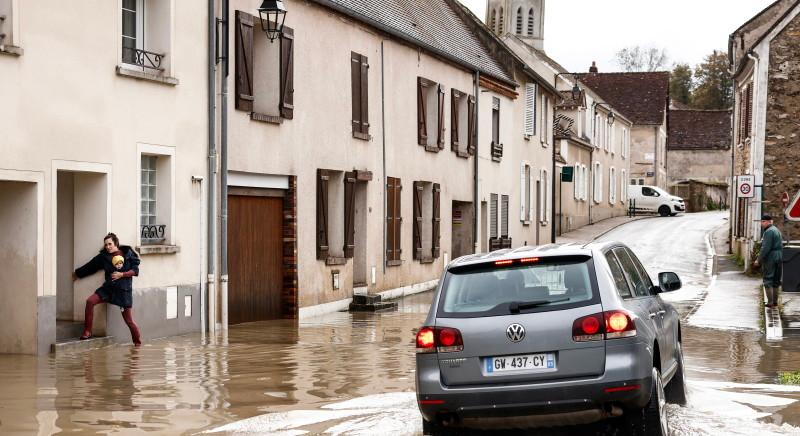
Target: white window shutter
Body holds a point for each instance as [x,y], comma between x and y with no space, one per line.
[547,198]
[575,177]
[530,109]
[532,181]
[523,216]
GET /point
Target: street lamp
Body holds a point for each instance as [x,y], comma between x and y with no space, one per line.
[576,90]
[611,116]
[272,14]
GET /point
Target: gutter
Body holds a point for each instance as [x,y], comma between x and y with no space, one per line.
[223,246]
[208,293]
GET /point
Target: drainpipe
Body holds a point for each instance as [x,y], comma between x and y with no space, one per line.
[383,156]
[210,292]
[475,194]
[223,246]
[655,155]
[591,177]
[553,188]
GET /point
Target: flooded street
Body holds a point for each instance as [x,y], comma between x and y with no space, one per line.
[354,373]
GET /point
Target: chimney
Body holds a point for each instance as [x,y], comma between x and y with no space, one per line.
[593,68]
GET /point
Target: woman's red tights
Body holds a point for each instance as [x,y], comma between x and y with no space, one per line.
[127,315]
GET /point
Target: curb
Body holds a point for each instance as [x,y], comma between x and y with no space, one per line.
[772,321]
[636,218]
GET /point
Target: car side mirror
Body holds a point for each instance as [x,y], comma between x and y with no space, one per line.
[669,281]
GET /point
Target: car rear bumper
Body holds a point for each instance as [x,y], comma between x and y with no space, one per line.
[625,383]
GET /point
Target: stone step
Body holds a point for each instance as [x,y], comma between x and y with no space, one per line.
[384,306]
[68,329]
[360,290]
[366,299]
[75,344]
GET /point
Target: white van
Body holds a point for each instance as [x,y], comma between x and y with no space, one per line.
[654,199]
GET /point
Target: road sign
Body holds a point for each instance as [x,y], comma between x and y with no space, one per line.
[744,186]
[793,210]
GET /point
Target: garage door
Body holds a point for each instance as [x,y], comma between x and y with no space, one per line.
[255,261]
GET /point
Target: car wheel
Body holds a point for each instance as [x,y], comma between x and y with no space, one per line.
[663,210]
[676,389]
[652,419]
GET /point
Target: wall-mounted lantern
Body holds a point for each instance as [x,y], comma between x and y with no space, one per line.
[272,14]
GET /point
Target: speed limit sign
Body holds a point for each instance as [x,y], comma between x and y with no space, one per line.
[744,186]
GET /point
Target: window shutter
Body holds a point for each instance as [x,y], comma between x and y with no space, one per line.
[364,95]
[244,61]
[523,178]
[454,104]
[530,109]
[394,220]
[422,120]
[504,216]
[322,214]
[437,220]
[531,194]
[440,135]
[471,125]
[398,219]
[543,112]
[417,233]
[355,79]
[749,123]
[349,213]
[493,216]
[287,73]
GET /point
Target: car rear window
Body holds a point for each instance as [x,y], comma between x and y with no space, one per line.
[550,284]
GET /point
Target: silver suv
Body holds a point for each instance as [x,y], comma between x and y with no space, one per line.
[548,336]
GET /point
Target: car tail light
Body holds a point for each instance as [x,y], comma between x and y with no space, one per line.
[439,339]
[503,262]
[529,260]
[619,324]
[611,324]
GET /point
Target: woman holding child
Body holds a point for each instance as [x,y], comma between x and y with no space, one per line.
[120,264]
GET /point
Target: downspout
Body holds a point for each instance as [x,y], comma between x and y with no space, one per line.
[383,156]
[209,295]
[475,194]
[655,155]
[223,247]
[591,177]
[553,183]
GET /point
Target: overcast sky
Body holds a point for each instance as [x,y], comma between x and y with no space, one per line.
[580,31]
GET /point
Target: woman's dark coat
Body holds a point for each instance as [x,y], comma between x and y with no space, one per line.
[118,292]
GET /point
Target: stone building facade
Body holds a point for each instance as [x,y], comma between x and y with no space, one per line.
[763,53]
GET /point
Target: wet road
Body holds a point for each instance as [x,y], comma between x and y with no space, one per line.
[354,373]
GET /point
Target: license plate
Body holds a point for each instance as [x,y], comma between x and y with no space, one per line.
[521,362]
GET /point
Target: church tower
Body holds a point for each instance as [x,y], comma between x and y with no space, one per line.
[523,18]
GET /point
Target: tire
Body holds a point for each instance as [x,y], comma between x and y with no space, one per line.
[663,210]
[651,420]
[676,389]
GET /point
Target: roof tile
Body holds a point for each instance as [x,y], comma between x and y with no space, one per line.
[641,97]
[699,130]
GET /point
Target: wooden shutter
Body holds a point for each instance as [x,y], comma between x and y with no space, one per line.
[504,215]
[398,219]
[364,95]
[749,122]
[393,219]
[492,216]
[422,120]
[355,79]
[417,220]
[244,61]
[349,213]
[454,112]
[322,214]
[440,135]
[471,125]
[435,240]
[287,73]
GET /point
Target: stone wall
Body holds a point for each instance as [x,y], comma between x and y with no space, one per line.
[702,165]
[782,145]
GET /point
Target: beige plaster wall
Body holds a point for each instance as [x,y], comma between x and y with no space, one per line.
[702,165]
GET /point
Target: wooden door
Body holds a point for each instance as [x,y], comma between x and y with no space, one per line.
[255,258]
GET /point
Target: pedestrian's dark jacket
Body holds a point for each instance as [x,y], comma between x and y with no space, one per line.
[120,291]
[771,256]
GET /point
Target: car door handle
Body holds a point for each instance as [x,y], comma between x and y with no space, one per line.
[661,312]
[652,315]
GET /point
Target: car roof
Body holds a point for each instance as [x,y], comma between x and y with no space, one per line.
[548,250]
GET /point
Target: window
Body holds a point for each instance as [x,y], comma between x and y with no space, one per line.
[493,20]
[585,184]
[264,82]
[394,221]
[504,216]
[624,146]
[427,199]
[612,186]
[519,21]
[498,222]
[335,215]
[462,123]
[530,109]
[359,73]
[526,194]
[613,141]
[501,28]
[596,131]
[597,181]
[146,35]
[496,146]
[576,181]
[545,133]
[430,114]
[650,192]
[619,277]
[623,187]
[640,288]
[530,22]
[493,220]
[544,194]
[156,196]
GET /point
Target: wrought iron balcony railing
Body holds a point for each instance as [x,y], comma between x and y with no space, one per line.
[153,233]
[142,58]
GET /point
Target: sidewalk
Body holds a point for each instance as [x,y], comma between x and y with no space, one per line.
[591,232]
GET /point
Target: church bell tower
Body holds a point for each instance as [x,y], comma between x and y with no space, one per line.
[523,18]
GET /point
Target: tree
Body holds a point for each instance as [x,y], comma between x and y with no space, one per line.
[680,83]
[637,58]
[714,83]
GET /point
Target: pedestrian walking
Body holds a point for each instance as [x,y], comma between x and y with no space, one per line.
[120,264]
[771,259]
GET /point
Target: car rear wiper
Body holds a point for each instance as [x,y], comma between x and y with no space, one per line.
[516,306]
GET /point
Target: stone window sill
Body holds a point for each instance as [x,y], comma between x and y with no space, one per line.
[426,260]
[144,75]
[158,249]
[264,118]
[394,262]
[432,148]
[331,260]
[11,50]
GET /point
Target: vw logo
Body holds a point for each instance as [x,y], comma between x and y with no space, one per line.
[515,332]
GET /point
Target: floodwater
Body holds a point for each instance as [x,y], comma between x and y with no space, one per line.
[354,374]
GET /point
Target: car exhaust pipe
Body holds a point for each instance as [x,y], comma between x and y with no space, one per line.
[612,410]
